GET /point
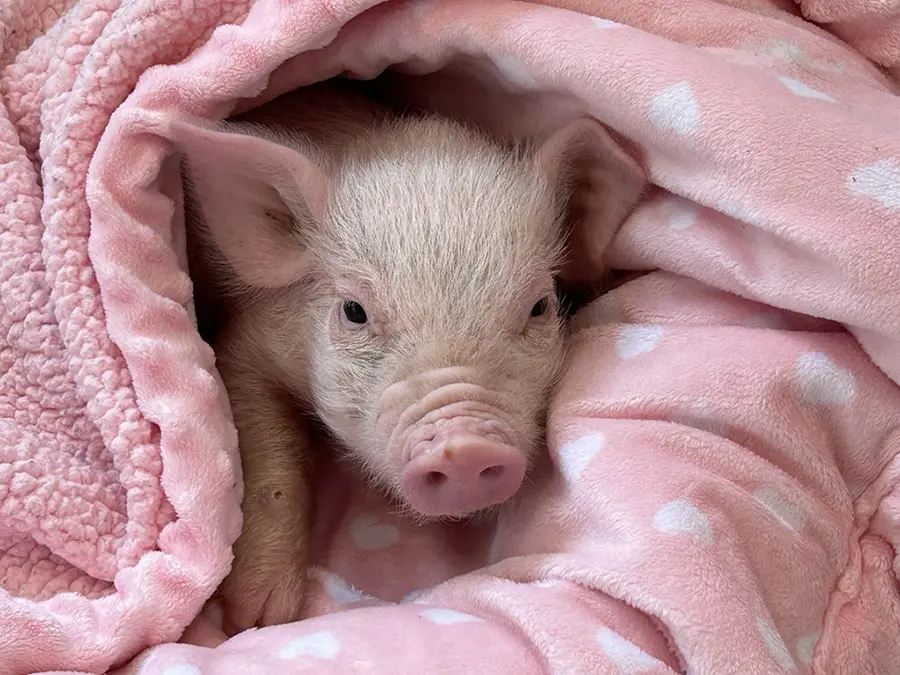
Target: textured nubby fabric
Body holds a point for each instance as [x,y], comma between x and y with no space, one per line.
[720,493]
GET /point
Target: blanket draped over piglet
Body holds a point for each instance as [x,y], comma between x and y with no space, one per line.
[721,493]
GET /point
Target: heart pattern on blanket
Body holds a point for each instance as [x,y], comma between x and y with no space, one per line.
[823,382]
[370,534]
[806,647]
[684,213]
[340,591]
[322,645]
[682,517]
[447,617]
[414,597]
[675,109]
[637,339]
[879,180]
[575,455]
[775,644]
[628,657]
[804,90]
[604,23]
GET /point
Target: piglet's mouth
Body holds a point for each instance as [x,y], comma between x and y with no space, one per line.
[460,459]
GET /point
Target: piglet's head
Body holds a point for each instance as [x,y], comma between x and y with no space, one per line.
[430,255]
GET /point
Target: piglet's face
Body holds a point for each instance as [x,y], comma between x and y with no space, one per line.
[421,267]
[437,333]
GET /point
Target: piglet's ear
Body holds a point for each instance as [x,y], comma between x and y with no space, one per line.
[257,197]
[602,184]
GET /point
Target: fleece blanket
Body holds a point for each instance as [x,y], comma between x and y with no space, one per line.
[720,493]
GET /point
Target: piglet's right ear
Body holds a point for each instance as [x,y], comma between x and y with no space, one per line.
[257,198]
[603,184]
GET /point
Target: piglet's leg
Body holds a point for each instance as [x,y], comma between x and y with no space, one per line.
[265,585]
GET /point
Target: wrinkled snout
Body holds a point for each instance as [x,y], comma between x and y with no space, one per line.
[457,446]
[461,472]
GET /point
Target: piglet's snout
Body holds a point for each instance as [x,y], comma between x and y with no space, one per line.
[461,473]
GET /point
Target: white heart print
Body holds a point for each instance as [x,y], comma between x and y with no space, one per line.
[775,644]
[682,517]
[806,648]
[447,617]
[370,534]
[822,382]
[637,339]
[791,53]
[675,109]
[604,23]
[801,89]
[684,214]
[879,180]
[628,657]
[414,597]
[322,645]
[785,50]
[575,455]
[340,591]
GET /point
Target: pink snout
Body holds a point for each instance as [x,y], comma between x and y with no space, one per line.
[462,474]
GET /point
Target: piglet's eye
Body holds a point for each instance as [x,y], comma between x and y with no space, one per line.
[540,307]
[353,314]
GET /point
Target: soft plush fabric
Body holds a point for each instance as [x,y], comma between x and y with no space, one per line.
[721,491]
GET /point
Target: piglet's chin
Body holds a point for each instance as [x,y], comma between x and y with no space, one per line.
[462,469]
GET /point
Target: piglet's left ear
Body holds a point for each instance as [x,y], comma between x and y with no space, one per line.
[602,184]
[259,198]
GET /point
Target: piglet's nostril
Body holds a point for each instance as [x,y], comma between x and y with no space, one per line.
[492,472]
[435,478]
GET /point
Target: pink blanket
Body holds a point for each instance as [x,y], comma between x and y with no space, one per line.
[721,490]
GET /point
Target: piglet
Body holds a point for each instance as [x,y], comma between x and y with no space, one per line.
[394,275]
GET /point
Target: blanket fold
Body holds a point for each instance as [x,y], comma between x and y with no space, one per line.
[721,491]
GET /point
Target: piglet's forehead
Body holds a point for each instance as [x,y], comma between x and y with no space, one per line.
[448,243]
[489,280]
